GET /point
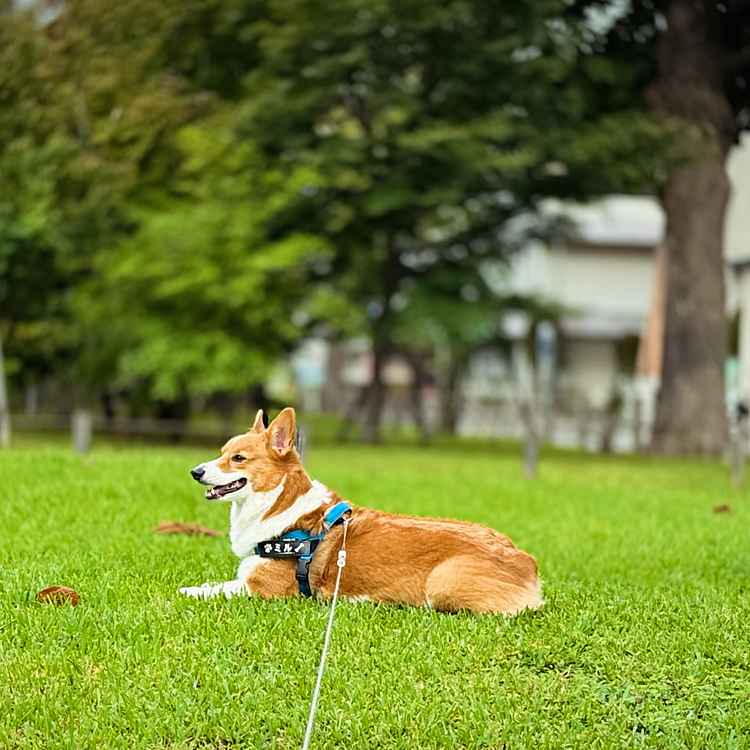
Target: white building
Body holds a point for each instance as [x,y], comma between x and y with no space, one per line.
[604,277]
[737,254]
[609,277]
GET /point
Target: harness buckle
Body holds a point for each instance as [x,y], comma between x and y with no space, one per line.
[302,545]
[302,574]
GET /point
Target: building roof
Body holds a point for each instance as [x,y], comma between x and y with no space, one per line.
[616,220]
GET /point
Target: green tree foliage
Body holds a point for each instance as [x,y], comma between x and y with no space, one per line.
[34,161]
[84,107]
[199,299]
[431,125]
[215,178]
[129,188]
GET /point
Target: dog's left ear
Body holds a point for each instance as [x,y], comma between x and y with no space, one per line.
[260,423]
[281,433]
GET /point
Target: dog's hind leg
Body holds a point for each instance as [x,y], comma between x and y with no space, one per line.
[465,583]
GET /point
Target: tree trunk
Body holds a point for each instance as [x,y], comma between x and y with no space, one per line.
[352,412]
[81,427]
[690,410]
[376,396]
[529,418]
[107,400]
[381,336]
[226,404]
[176,414]
[332,401]
[417,402]
[259,398]
[4,406]
[449,396]
[32,399]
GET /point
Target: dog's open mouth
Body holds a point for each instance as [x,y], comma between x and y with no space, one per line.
[220,490]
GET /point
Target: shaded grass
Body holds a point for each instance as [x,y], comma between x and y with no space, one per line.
[644,641]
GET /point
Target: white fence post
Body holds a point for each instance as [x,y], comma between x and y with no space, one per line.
[81,429]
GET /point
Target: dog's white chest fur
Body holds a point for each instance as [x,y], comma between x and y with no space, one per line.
[248,527]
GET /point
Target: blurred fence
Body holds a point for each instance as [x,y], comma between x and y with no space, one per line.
[141,427]
[592,431]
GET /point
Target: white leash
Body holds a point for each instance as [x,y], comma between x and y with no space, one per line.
[341,562]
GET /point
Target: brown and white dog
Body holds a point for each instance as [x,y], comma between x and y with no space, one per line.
[447,565]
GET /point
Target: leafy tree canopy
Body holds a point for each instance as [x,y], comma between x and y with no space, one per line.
[215,178]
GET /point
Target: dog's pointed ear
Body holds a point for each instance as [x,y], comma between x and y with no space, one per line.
[260,423]
[281,433]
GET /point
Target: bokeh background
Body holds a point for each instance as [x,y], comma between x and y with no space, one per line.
[415,218]
[454,222]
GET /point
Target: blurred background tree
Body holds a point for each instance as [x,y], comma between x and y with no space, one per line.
[191,188]
[431,125]
[83,112]
[690,63]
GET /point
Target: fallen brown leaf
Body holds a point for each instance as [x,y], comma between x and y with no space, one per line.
[191,529]
[58,595]
[723,509]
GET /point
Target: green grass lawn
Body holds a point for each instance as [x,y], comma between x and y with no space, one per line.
[644,641]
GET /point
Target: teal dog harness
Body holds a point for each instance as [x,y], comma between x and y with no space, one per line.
[302,545]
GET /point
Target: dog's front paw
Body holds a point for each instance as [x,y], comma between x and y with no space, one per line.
[198,592]
[208,590]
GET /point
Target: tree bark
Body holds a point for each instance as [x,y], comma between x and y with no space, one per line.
[417,360]
[332,401]
[529,417]
[382,344]
[176,413]
[449,396]
[690,410]
[4,406]
[352,412]
[376,395]
[107,400]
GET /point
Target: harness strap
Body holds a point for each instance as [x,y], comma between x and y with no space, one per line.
[284,546]
[336,514]
[302,574]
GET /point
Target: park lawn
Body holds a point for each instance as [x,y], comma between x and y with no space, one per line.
[644,641]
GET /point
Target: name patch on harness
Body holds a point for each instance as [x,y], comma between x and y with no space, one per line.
[287,547]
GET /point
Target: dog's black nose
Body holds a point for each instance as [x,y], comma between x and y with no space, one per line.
[197,473]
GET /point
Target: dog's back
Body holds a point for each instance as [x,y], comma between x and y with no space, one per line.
[445,564]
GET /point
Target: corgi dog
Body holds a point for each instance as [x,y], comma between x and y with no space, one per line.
[428,562]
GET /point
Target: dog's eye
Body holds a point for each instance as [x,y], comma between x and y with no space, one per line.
[238,458]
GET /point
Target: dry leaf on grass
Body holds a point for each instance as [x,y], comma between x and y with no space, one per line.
[723,509]
[58,595]
[191,529]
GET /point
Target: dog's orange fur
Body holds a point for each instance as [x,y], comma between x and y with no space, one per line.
[448,565]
